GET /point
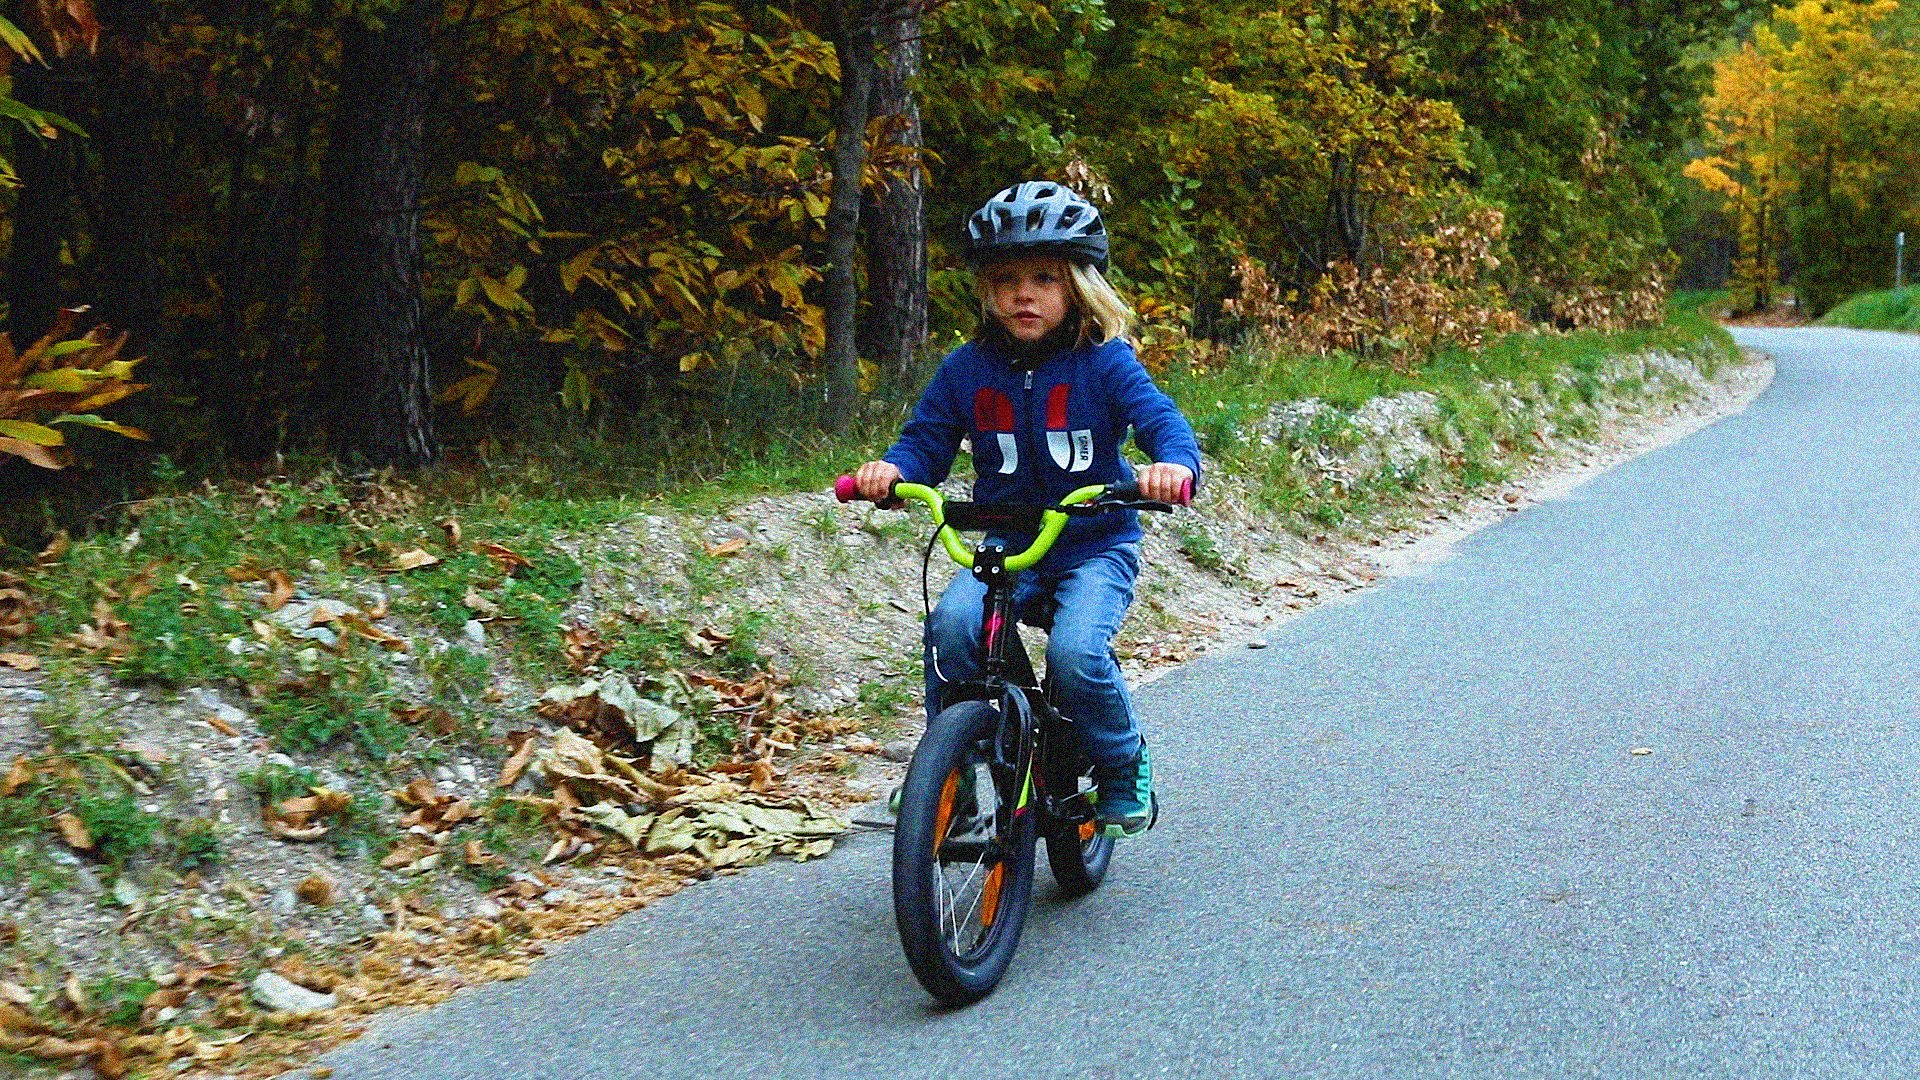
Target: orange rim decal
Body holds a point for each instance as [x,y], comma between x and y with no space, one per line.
[990,894]
[944,816]
[1087,829]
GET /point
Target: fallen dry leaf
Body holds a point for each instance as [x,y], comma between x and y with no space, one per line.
[478,856]
[707,640]
[74,832]
[482,608]
[1641,751]
[412,560]
[55,548]
[450,526]
[505,557]
[318,890]
[288,832]
[20,661]
[583,647]
[74,994]
[522,744]
[16,609]
[17,777]
[15,994]
[282,587]
[731,547]
[219,725]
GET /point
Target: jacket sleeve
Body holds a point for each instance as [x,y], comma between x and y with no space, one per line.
[928,442]
[1158,425]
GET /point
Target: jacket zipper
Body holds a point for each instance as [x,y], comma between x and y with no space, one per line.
[1026,428]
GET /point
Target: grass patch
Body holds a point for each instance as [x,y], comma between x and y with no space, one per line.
[1884,309]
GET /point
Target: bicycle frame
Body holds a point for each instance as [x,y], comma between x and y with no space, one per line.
[1029,724]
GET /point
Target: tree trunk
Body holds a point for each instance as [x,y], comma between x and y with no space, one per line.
[896,323]
[127,272]
[376,355]
[852,37]
[43,215]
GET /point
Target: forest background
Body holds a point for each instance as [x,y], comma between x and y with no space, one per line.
[674,234]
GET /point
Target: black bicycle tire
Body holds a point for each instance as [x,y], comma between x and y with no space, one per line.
[1079,866]
[953,980]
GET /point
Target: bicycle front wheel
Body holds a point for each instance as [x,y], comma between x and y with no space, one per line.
[962,860]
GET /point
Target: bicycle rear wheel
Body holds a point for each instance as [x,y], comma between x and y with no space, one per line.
[962,860]
[1078,852]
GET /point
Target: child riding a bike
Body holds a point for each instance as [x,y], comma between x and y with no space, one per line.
[1045,394]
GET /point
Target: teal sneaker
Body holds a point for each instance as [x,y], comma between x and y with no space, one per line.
[1123,801]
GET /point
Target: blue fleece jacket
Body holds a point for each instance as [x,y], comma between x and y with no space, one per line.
[1039,434]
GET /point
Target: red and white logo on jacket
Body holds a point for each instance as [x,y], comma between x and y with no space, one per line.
[993,414]
[1071,450]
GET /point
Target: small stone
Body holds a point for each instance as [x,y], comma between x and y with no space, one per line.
[316,566]
[900,750]
[474,633]
[441,772]
[236,646]
[285,901]
[27,694]
[125,892]
[1257,643]
[278,994]
[556,896]
[856,540]
[467,773]
[230,715]
[281,760]
[321,634]
[373,916]
[88,881]
[487,909]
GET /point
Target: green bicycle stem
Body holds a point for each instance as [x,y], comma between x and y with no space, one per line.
[1051,523]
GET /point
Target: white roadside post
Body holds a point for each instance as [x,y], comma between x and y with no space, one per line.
[1900,262]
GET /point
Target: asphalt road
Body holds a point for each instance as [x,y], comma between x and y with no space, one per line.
[1409,839]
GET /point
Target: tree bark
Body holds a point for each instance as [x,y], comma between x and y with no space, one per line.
[852,35]
[377,371]
[896,322]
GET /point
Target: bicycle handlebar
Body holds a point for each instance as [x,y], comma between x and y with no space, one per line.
[1053,519]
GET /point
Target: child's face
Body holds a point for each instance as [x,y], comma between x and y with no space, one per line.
[1029,297]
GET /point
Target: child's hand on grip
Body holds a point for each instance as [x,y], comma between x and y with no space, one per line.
[876,479]
[1165,482]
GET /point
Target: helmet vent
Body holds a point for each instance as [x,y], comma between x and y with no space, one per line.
[1068,216]
[1035,215]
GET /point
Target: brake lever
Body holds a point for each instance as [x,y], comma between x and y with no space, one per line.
[1090,509]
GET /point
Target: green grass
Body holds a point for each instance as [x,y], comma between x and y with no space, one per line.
[1886,309]
[1556,373]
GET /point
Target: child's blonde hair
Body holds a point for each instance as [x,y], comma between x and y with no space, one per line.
[1100,306]
[1104,316]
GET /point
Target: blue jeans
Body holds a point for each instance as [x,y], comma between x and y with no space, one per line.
[1086,603]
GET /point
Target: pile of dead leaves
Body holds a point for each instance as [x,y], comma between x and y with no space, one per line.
[724,823]
[300,818]
[69,1027]
[613,713]
[430,812]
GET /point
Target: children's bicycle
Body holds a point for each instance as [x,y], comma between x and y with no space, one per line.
[998,768]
